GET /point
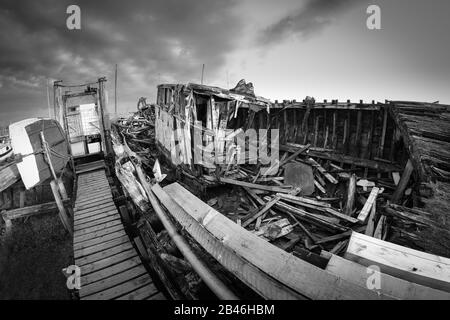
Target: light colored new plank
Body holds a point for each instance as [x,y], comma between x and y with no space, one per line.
[100,247]
[368,205]
[405,263]
[291,271]
[389,285]
[112,281]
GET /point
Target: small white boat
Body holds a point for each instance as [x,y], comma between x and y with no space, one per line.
[5,150]
[27,146]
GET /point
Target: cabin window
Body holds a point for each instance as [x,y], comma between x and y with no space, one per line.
[168,96]
[201,103]
[160,98]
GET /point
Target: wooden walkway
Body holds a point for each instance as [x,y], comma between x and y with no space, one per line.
[110,266]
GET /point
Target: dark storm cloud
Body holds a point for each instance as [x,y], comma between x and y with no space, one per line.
[311,18]
[149,40]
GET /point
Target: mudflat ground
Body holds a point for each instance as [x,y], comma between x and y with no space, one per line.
[32,256]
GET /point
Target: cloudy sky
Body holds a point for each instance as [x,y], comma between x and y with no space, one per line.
[288,49]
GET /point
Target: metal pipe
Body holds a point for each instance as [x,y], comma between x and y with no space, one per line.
[211,280]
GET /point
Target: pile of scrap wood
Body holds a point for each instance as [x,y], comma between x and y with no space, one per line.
[310,230]
[306,205]
[314,203]
[369,266]
[138,129]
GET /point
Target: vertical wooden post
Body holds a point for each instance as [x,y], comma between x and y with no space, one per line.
[62,211]
[22,198]
[347,133]
[334,137]
[383,135]
[316,130]
[325,142]
[305,122]
[350,195]
[286,126]
[357,144]
[8,223]
[11,197]
[52,169]
[295,127]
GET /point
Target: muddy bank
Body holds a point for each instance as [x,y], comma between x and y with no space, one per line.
[32,256]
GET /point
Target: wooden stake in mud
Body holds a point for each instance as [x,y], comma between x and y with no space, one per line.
[62,188]
[57,186]
[62,211]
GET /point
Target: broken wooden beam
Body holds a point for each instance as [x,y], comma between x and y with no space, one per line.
[320,206]
[338,157]
[255,186]
[32,210]
[368,205]
[294,155]
[322,171]
[266,208]
[398,194]
[309,217]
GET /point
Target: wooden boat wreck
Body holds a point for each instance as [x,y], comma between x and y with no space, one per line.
[170,204]
[379,176]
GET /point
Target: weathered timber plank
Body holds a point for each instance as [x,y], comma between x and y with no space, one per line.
[112,270]
[97,234]
[108,262]
[110,282]
[100,247]
[299,275]
[389,285]
[121,289]
[103,254]
[99,240]
[405,263]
